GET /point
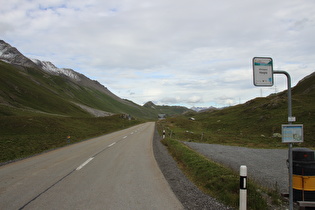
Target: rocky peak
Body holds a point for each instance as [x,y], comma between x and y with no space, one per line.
[150,104]
[11,55]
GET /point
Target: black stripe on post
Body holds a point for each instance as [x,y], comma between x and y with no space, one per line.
[243,182]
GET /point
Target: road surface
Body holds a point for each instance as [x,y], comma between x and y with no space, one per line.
[266,166]
[115,171]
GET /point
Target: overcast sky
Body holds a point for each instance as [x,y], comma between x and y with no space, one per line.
[171,52]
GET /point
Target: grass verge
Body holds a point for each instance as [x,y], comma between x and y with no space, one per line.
[216,180]
[23,136]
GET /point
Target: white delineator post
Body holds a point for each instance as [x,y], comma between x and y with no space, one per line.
[243,187]
[163,134]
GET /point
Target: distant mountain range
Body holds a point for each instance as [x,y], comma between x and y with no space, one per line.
[34,85]
[202,109]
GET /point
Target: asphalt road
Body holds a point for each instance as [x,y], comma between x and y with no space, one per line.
[115,171]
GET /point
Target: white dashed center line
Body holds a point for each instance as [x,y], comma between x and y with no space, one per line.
[83,164]
[111,144]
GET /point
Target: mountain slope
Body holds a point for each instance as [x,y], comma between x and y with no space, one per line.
[255,123]
[30,89]
[40,86]
[33,89]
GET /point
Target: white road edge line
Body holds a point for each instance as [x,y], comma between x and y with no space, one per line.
[125,137]
[83,164]
[111,144]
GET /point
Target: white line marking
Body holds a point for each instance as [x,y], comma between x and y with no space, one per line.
[131,133]
[111,144]
[83,164]
[125,137]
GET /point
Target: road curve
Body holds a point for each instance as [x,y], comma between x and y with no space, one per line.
[114,171]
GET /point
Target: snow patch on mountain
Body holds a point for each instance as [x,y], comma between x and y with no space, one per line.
[5,53]
[46,65]
[52,69]
[70,73]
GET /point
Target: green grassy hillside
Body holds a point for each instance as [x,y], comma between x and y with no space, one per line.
[25,88]
[28,88]
[252,124]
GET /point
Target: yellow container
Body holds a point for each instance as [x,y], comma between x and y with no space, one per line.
[306,183]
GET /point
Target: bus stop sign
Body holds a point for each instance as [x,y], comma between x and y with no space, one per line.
[263,71]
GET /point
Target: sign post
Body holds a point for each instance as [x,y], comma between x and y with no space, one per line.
[263,76]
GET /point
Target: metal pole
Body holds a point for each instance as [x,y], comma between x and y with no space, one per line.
[290,178]
[289,92]
[290,144]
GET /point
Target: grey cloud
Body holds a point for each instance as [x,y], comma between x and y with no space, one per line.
[193,52]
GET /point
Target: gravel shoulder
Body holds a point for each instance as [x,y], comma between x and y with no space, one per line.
[187,193]
[268,167]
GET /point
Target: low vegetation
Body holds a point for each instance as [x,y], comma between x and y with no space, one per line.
[257,123]
[218,181]
[23,136]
